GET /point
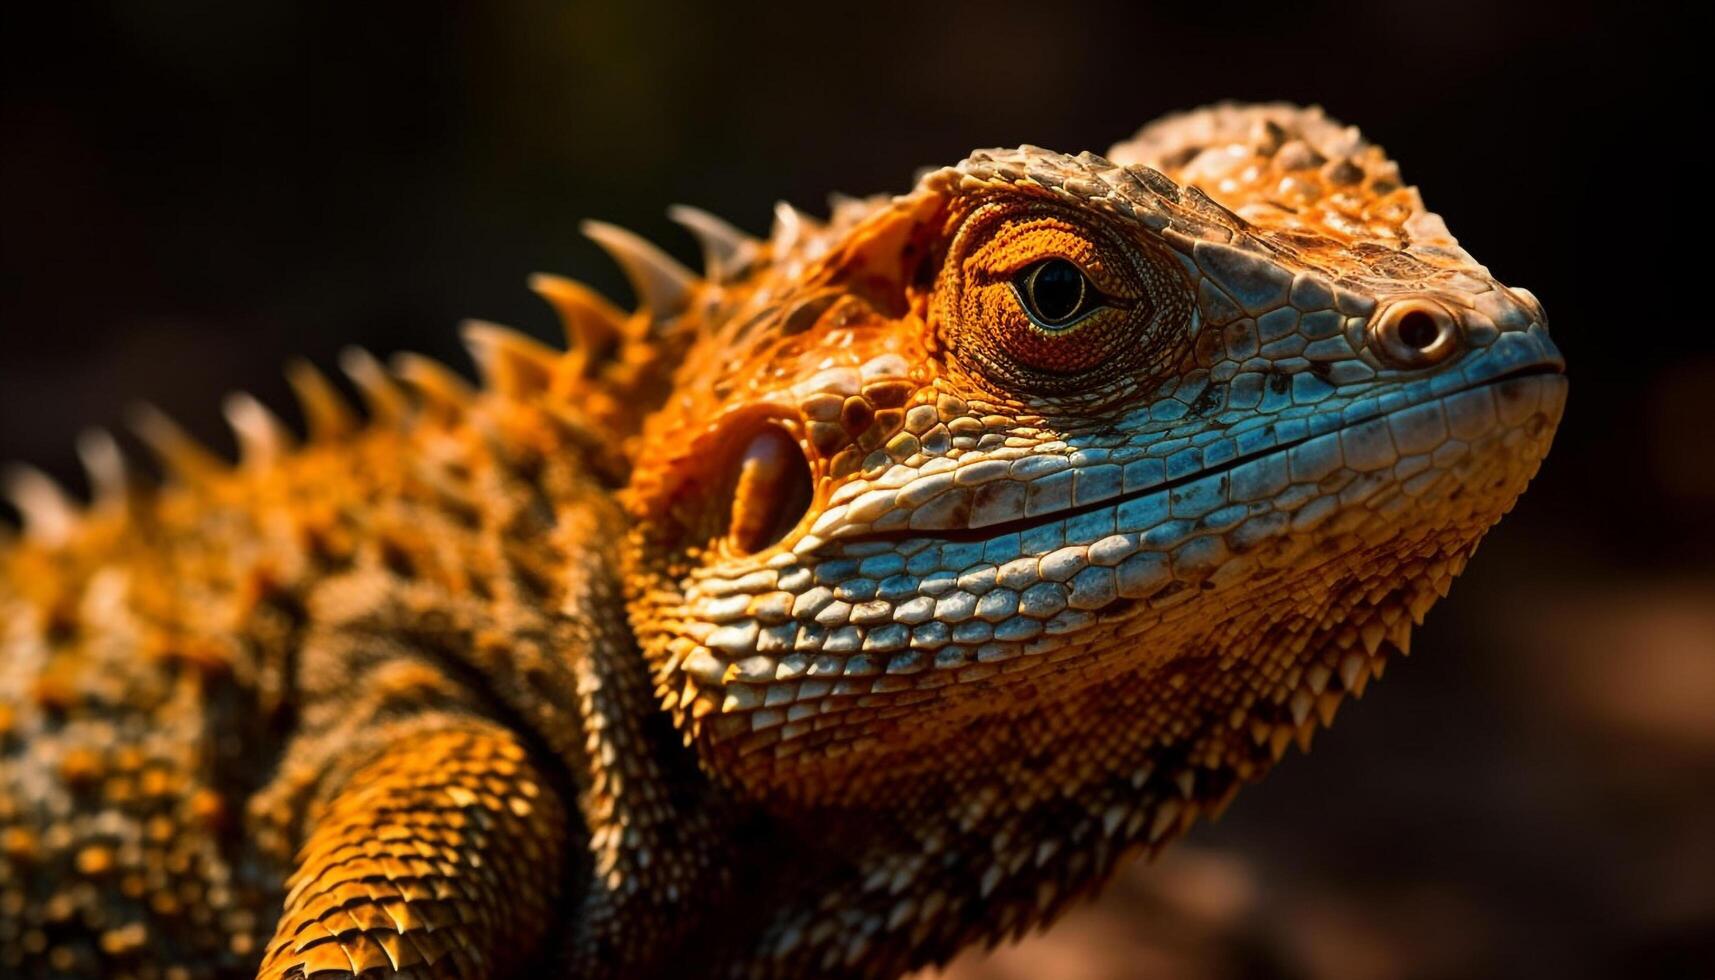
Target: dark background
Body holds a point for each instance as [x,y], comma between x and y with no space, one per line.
[193,192]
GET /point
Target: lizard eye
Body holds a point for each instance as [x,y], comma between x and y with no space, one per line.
[1047,299]
[1055,293]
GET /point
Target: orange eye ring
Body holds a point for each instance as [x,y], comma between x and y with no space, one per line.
[1044,299]
[1414,333]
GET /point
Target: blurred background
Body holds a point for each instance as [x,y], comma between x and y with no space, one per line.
[192,192]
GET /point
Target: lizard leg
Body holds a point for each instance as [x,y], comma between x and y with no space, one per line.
[439,857]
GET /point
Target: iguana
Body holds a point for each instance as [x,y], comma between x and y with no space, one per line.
[871,594]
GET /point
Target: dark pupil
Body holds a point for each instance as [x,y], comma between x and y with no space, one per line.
[1057,291]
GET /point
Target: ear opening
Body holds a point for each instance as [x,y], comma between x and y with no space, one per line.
[772,488]
[739,486]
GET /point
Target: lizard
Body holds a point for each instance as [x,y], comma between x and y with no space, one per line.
[869,594]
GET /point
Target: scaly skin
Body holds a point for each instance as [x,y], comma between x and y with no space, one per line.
[871,596]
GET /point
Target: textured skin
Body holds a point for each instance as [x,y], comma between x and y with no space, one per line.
[822,617]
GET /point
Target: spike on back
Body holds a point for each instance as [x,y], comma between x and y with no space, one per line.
[440,388]
[591,323]
[109,480]
[726,250]
[326,415]
[48,512]
[662,285]
[511,363]
[790,224]
[262,438]
[181,456]
[383,397]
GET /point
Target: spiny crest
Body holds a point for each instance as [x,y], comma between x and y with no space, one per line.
[510,362]
[727,252]
[797,237]
[614,363]
[262,438]
[48,512]
[180,455]
[326,414]
[381,393]
[441,389]
[109,480]
[50,515]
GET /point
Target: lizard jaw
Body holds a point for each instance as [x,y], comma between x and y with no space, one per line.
[1150,587]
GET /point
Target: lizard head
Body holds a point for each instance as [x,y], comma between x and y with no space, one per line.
[1077,478]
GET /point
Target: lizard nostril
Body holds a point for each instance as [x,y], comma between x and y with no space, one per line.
[1414,333]
[771,491]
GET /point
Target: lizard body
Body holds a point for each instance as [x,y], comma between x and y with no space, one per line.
[868,596]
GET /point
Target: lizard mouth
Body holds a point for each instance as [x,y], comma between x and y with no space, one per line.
[1540,369]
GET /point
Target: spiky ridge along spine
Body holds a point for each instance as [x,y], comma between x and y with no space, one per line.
[282,664]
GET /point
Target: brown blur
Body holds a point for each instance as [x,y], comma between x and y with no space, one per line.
[191,193]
